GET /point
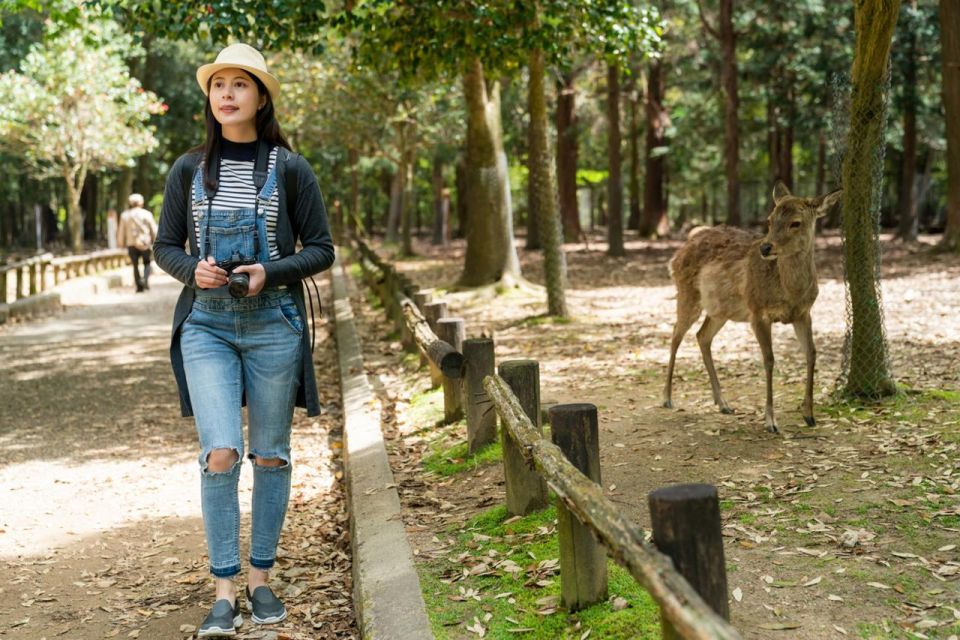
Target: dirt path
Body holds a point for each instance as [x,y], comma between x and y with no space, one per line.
[846,529]
[99,522]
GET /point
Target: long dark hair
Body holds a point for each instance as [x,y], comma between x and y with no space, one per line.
[268,129]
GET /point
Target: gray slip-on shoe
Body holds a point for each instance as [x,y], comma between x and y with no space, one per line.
[265,608]
[222,621]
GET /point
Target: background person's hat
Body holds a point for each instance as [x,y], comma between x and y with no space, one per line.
[240,56]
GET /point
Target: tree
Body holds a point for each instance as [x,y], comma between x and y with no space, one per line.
[907,226]
[725,35]
[615,179]
[950,47]
[566,123]
[543,193]
[868,374]
[73,108]
[654,216]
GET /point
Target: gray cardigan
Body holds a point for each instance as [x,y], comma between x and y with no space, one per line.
[308,221]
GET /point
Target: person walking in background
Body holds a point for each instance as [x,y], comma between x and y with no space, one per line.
[136,232]
[233,211]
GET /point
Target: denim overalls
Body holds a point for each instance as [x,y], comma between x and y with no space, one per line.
[235,348]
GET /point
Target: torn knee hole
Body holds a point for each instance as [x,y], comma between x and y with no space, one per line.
[269,462]
[222,460]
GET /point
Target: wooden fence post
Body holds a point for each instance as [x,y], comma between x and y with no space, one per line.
[20,282]
[478,355]
[451,331]
[583,560]
[526,490]
[686,526]
[433,312]
[422,299]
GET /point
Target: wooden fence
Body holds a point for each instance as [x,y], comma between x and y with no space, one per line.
[37,274]
[683,570]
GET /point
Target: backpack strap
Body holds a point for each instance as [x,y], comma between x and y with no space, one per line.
[290,186]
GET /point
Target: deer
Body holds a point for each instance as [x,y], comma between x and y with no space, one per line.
[734,274]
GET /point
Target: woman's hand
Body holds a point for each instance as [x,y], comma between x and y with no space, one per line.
[258,277]
[209,276]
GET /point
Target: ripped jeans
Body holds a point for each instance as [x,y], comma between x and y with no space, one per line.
[231,349]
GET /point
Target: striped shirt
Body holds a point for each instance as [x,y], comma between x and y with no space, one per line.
[237,191]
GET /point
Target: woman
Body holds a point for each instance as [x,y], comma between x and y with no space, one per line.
[239,204]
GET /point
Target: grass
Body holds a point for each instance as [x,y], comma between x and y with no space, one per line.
[453,460]
[453,605]
[426,408]
[885,630]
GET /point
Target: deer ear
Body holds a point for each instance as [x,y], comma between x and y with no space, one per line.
[827,201]
[780,192]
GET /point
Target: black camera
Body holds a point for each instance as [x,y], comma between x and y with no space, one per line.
[238,284]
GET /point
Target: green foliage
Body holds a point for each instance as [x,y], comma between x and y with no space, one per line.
[430,39]
[268,26]
[73,106]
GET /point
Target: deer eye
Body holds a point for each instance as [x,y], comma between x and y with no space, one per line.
[795,224]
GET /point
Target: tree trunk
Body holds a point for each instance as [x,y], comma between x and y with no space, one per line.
[868,374]
[89,204]
[567,157]
[460,178]
[633,180]
[731,102]
[353,216]
[396,204]
[615,180]
[74,180]
[821,179]
[441,206]
[654,219]
[408,206]
[124,188]
[542,199]
[491,255]
[907,226]
[950,50]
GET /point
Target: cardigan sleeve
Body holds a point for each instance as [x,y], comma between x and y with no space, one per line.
[169,248]
[310,219]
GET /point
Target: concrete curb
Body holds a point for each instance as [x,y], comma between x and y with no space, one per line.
[387,596]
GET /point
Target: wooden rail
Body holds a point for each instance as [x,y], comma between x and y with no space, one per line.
[419,326]
[683,609]
[38,273]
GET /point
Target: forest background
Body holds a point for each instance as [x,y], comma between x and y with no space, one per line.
[384,123]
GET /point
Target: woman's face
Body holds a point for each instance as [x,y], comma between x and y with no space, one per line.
[234,98]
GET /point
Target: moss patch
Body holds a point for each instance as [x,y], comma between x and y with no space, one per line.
[453,460]
[522,603]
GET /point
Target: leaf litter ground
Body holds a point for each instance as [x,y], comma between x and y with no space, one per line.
[847,529]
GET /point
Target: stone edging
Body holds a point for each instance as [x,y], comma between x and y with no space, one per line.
[386,589]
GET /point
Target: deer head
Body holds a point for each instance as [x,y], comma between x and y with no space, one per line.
[791,224]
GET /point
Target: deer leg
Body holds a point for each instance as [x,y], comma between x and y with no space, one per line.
[710,327]
[761,329]
[687,314]
[804,330]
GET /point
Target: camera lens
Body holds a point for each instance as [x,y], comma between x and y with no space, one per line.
[238,284]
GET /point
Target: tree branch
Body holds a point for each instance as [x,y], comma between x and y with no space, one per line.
[712,31]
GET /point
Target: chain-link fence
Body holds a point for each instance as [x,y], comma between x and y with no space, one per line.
[857,124]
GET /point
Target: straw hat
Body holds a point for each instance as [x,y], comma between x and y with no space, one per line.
[240,56]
